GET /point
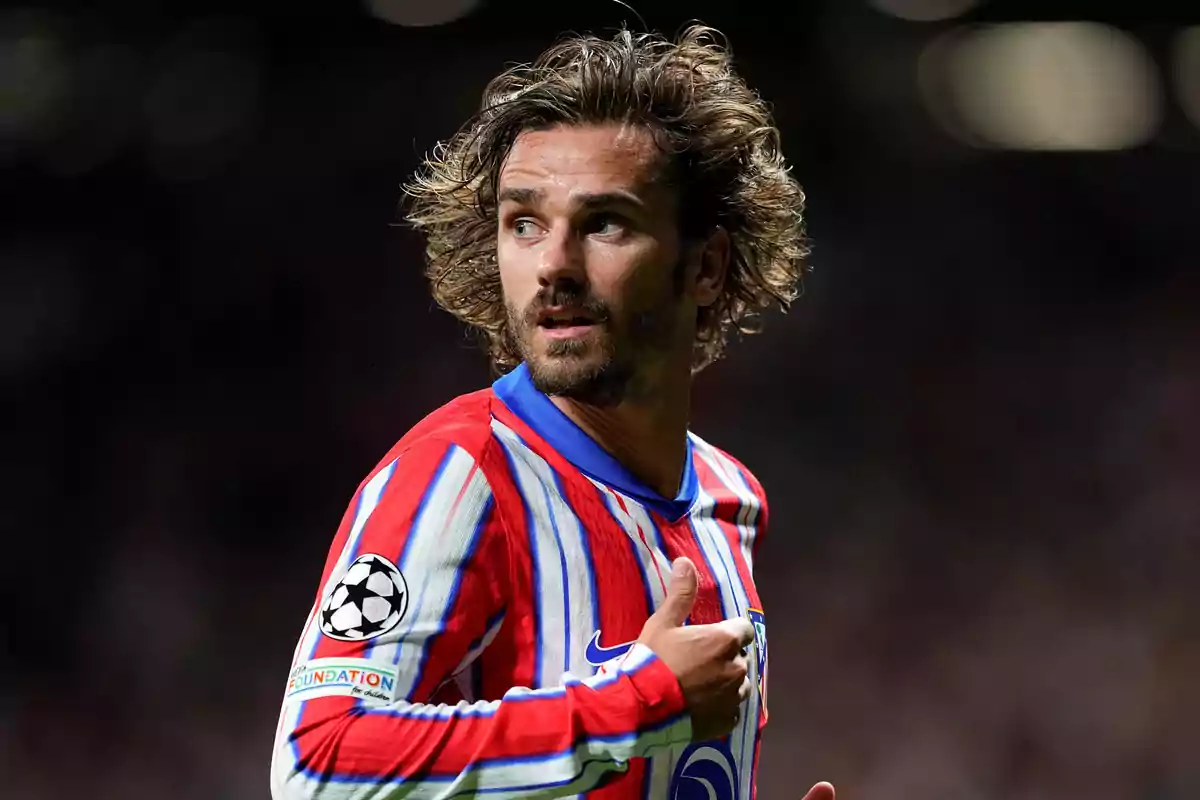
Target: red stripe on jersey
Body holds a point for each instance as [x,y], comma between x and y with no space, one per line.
[754,762]
[622,786]
[679,539]
[534,442]
[387,530]
[760,522]
[339,543]
[729,511]
[622,608]
[332,558]
[510,660]
[644,537]
[449,693]
[338,739]
[422,747]
[481,595]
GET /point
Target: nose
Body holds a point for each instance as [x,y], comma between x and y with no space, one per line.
[560,258]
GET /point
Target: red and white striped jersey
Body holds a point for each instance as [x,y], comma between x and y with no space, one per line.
[474,629]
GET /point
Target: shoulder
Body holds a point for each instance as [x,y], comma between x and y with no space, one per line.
[727,468]
[459,431]
[732,482]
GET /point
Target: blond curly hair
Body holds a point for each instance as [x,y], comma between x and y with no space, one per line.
[724,160]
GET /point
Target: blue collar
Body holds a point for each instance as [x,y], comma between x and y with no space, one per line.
[535,409]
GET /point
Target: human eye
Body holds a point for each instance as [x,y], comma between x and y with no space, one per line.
[523,227]
[610,225]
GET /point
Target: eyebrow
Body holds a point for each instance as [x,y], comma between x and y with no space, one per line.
[588,201]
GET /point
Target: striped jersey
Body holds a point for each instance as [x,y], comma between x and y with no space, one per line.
[475,626]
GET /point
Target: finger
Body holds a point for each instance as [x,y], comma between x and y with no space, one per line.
[741,664]
[745,689]
[681,594]
[822,791]
[740,629]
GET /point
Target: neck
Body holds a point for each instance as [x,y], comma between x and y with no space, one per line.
[647,433]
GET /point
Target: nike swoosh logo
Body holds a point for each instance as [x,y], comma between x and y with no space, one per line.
[597,655]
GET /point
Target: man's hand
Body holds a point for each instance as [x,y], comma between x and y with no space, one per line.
[822,791]
[708,660]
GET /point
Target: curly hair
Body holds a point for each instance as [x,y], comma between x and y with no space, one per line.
[724,160]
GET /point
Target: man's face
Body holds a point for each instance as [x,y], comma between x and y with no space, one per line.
[590,259]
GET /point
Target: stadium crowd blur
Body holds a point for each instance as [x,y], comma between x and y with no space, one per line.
[980,427]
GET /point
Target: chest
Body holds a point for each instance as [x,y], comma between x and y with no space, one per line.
[592,564]
[589,566]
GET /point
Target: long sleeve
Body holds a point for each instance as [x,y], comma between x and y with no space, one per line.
[414,590]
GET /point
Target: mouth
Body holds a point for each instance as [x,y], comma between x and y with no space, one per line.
[564,318]
[562,324]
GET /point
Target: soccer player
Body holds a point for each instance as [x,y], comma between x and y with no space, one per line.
[545,588]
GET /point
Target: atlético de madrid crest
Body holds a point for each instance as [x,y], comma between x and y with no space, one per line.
[760,647]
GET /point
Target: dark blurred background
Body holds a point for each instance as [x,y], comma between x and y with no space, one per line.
[980,428]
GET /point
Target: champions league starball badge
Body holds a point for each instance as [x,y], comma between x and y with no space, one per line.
[369,600]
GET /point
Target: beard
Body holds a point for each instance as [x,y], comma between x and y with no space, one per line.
[602,367]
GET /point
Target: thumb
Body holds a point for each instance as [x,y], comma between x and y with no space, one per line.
[681,594]
[822,791]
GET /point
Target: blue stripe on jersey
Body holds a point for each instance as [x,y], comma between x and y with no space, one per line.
[496,621]
[695,525]
[662,548]
[516,390]
[585,542]
[539,655]
[501,762]
[562,561]
[725,552]
[400,558]
[488,710]
[610,503]
[361,516]
[476,537]
[732,580]
[647,776]
[711,571]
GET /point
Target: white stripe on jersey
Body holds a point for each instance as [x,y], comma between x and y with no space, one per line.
[368,499]
[564,572]
[465,677]
[634,520]
[728,473]
[508,778]
[722,558]
[440,542]
[662,765]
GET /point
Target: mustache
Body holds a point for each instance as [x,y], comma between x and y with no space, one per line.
[568,297]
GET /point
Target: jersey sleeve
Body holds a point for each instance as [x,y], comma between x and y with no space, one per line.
[754,496]
[415,588]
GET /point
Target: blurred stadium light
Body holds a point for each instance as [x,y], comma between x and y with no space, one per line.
[419,13]
[925,10]
[203,101]
[1187,72]
[34,77]
[199,102]
[1042,86]
[102,112]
